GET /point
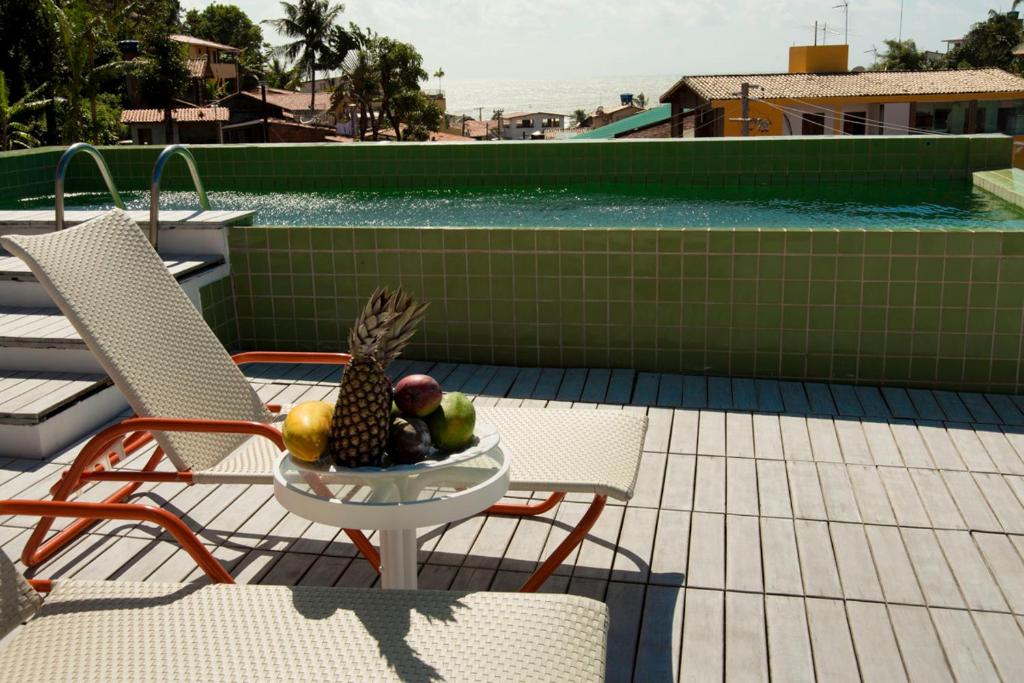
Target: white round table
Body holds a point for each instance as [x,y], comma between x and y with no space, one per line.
[394,503]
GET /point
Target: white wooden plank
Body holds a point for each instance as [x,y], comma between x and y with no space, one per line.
[624,630]
[781,560]
[746,651]
[882,443]
[636,543]
[661,630]
[963,646]
[739,435]
[854,444]
[922,653]
[796,443]
[685,427]
[741,486]
[711,434]
[680,473]
[805,490]
[941,508]
[874,642]
[1006,506]
[709,488]
[671,548]
[742,554]
[1006,566]
[773,489]
[840,504]
[872,500]
[1004,641]
[834,659]
[824,443]
[895,572]
[936,579]
[788,639]
[706,568]
[767,437]
[972,504]
[853,558]
[973,577]
[906,504]
[703,643]
[817,561]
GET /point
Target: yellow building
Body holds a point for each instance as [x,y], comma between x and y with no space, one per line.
[818,96]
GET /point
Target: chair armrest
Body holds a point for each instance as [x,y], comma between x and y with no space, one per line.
[182,424]
[143,513]
[314,357]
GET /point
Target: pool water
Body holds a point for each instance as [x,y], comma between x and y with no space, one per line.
[948,204]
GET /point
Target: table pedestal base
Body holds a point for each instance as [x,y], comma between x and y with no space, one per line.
[398,555]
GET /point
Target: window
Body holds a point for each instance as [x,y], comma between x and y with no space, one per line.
[813,124]
[924,120]
[940,120]
[524,123]
[145,136]
[1006,120]
[855,122]
[552,123]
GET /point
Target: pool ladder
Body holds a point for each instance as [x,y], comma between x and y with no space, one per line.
[154,188]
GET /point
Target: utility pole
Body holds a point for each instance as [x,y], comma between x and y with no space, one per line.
[481,113]
[744,117]
[263,97]
[815,32]
[745,109]
[824,33]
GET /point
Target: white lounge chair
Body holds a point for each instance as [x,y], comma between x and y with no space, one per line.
[127,631]
[190,396]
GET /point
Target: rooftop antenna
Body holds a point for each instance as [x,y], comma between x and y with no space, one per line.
[845,6]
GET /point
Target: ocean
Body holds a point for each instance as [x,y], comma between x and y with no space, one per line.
[558,96]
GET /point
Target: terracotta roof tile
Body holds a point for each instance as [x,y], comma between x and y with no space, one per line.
[853,84]
[293,101]
[182,115]
[197,67]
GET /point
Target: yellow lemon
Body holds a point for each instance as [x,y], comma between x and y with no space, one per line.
[306,429]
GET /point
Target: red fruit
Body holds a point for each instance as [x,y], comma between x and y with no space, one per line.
[418,395]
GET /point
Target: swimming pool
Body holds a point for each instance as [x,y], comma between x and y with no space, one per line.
[946,204]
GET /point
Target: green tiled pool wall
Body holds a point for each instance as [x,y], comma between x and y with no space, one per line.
[27,173]
[218,307]
[930,309]
[331,166]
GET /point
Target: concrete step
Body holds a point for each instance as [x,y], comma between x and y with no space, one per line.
[43,412]
[19,288]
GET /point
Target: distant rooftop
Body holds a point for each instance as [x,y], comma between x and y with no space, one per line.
[651,117]
[522,114]
[192,40]
[852,84]
[291,100]
[184,114]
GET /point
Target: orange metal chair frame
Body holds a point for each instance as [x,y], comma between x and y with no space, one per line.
[96,461]
[567,545]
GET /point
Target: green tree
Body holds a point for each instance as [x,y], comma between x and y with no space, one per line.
[439,74]
[27,48]
[900,56]
[497,114]
[989,43]
[309,23]
[579,116]
[640,101]
[15,133]
[229,25]
[165,75]
[87,61]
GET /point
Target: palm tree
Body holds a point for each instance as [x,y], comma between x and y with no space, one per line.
[309,23]
[280,75]
[439,74]
[580,115]
[14,133]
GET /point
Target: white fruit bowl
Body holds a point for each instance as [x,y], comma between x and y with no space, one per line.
[485,438]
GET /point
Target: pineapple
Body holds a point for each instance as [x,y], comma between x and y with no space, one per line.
[362,414]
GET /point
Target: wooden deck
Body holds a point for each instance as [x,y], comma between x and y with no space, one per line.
[779,530]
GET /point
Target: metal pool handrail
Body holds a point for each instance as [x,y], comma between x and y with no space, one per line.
[154,187]
[62,169]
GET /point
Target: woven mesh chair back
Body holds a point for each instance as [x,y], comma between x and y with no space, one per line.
[141,326]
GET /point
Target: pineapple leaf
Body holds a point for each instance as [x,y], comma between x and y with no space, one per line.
[372,325]
[409,314]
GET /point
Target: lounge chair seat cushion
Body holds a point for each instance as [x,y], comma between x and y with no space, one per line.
[107,630]
[578,450]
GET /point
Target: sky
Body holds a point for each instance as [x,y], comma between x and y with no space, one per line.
[569,39]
